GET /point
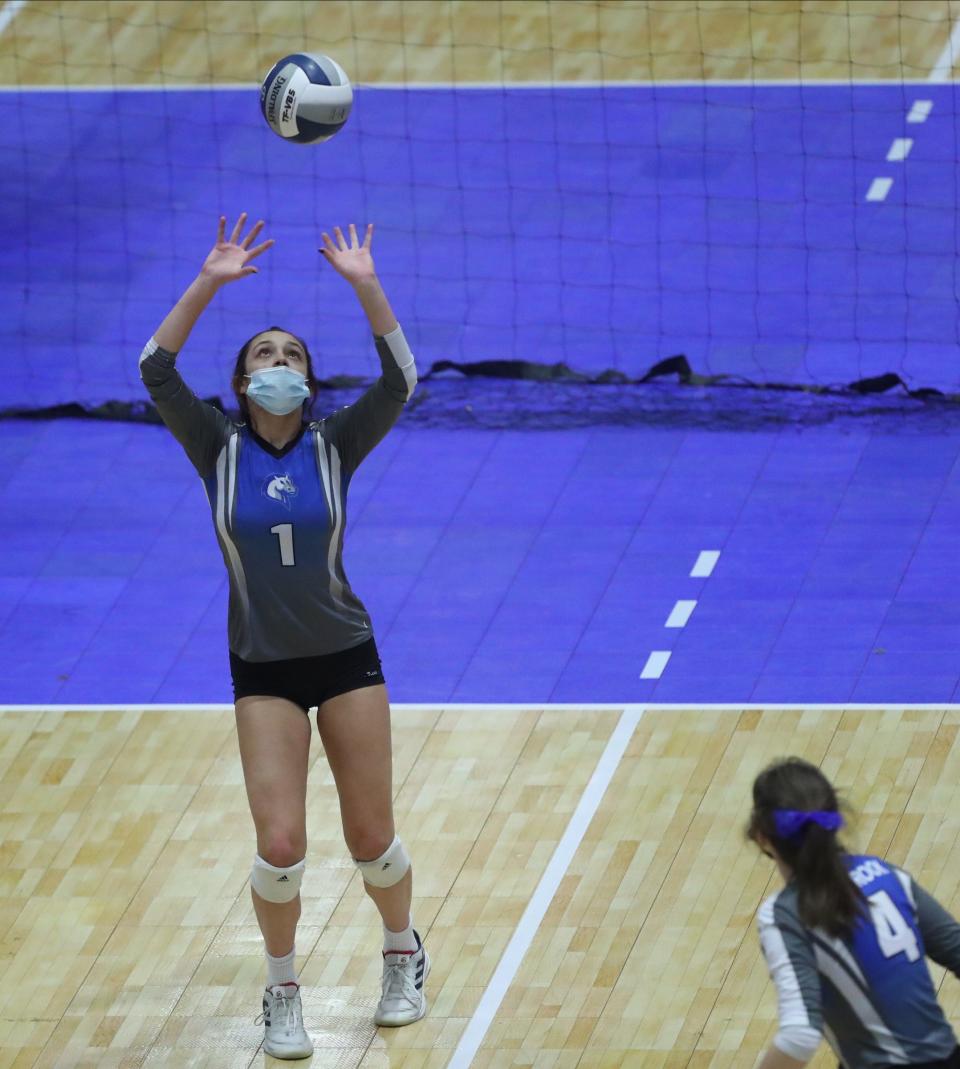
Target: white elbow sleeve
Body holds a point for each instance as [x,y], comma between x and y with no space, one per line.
[402,357]
[149,349]
[797,1041]
[154,350]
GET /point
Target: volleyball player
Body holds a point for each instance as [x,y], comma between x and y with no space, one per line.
[298,635]
[845,939]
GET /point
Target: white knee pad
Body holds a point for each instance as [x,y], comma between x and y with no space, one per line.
[389,868]
[276,885]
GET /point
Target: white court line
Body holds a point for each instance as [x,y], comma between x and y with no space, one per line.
[9,12]
[655,665]
[879,188]
[680,614]
[705,564]
[943,68]
[225,707]
[900,149]
[514,707]
[678,83]
[117,707]
[538,905]
[920,111]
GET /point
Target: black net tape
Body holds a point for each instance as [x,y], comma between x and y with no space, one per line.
[525,395]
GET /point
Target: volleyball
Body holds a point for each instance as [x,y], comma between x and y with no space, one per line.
[306,97]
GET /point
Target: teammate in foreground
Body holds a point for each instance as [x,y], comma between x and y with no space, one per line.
[299,637]
[846,937]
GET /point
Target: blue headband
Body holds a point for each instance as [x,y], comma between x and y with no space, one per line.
[791,822]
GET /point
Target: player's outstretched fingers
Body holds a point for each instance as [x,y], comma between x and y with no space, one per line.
[328,245]
[341,241]
[238,229]
[368,237]
[248,240]
[221,227]
[258,249]
[354,243]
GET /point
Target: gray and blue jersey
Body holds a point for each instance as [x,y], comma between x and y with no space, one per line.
[870,995]
[280,514]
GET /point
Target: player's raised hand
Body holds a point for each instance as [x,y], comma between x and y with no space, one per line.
[229,259]
[352,260]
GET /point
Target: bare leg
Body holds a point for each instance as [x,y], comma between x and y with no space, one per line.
[355,729]
[274,737]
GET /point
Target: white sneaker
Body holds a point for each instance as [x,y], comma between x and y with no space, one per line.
[282,1019]
[403,1000]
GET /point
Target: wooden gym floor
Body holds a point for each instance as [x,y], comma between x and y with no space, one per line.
[129,939]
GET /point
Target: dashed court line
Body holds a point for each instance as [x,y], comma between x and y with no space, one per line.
[879,188]
[657,660]
[706,562]
[900,149]
[920,110]
[655,665]
[680,614]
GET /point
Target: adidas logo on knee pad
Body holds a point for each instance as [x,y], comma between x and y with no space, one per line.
[275,884]
[394,859]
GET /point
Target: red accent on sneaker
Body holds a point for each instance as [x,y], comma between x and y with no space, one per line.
[405,953]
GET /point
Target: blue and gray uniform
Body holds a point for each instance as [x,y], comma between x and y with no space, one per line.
[280,514]
[871,995]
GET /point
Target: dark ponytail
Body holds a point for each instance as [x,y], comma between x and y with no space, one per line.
[826,896]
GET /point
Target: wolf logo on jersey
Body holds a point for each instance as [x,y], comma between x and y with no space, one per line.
[278,487]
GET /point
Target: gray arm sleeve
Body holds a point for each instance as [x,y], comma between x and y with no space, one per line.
[793,969]
[941,933]
[200,428]
[356,429]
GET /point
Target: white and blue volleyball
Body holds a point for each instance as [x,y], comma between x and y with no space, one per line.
[306,98]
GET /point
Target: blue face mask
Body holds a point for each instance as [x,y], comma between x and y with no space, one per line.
[278,389]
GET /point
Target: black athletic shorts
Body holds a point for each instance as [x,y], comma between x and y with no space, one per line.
[308,681]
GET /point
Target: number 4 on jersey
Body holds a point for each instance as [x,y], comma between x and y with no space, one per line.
[894,935]
[284,531]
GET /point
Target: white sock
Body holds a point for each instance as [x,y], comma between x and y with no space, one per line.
[399,942]
[281,970]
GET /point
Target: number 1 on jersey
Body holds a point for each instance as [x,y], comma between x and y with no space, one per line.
[284,531]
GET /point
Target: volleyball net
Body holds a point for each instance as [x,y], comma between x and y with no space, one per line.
[573,195]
